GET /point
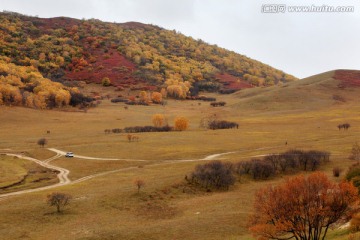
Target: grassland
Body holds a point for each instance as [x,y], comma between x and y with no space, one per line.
[109,207]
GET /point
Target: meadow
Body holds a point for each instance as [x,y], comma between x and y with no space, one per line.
[109,207]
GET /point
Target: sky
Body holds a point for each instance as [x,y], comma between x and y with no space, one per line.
[299,43]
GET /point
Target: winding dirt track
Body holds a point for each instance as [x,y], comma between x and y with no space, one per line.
[63,173]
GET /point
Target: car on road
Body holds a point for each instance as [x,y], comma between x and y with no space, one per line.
[69,154]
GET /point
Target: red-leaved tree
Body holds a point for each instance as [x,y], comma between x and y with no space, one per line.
[302,208]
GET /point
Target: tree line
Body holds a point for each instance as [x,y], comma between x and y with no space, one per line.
[220,175]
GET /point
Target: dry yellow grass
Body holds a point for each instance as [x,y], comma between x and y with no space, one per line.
[109,207]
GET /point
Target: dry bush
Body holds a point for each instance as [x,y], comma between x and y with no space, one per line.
[42,142]
[214,174]
[337,171]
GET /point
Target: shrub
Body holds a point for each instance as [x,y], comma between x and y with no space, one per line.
[218,104]
[336,171]
[295,160]
[139,129]
[261,169]
[156,97]
[215,124]
[214,174]
[106,82]
[117,100]
[42,142]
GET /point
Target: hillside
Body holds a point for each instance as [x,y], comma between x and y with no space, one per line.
[312,93]
[132,55]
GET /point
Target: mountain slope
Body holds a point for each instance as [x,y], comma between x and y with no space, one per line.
[315,92]
[128,54]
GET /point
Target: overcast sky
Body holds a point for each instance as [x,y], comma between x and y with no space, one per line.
[302,44]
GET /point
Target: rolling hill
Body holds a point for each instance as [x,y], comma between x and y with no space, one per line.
[131,55]
[324,90]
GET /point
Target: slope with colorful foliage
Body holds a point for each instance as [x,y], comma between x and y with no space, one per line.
[90,49]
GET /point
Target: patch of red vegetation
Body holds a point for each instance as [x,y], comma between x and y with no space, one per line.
[48,24]
[231,82]
[348,78]
[111,65]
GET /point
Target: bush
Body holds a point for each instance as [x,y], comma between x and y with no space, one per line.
[336,171]
[106,82]
[215,124]
[79,98]
[261,169]
[139,129]
[295,160]
[218,104]
[215,174]
[227,91]
[42,142]
[117,100]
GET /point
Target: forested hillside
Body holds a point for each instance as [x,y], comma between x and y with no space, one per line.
[126,55]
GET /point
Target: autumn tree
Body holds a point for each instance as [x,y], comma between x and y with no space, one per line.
[42,142]
[144,98]
[158,120]
[139,183]
[156,97]
[181,124]
[59,200]
[302,208]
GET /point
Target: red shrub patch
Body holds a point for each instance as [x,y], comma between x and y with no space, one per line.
[232,82]
[348,78]
[112,65]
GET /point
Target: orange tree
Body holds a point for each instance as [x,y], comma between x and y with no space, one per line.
[181,123]
[302,208]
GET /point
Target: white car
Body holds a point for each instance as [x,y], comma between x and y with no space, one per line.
[69,154]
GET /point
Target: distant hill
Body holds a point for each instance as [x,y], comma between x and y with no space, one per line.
[131,55]
[328,89]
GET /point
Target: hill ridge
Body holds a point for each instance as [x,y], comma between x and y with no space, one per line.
[62,46]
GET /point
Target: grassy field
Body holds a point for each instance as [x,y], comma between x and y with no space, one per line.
[18,174]
[109,206]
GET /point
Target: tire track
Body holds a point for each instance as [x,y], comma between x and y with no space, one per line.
[63,173]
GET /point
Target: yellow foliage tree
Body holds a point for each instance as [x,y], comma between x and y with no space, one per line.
[158,120]
[144,96]
[156,97]
[181,124]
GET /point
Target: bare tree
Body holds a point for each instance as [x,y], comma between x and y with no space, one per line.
[59,200]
